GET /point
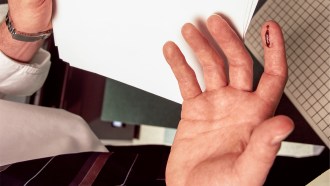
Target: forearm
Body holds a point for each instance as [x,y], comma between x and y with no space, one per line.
[18,50]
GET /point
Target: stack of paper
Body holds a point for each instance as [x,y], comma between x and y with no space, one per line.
[123,40]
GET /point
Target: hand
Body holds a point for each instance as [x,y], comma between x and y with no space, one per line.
[31,16]
[227,134]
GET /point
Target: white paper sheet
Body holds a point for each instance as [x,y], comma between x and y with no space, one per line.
[123,40]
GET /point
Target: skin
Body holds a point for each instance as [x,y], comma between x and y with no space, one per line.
[228,134]
[29,16]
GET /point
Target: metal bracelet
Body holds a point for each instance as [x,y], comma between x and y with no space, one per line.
[27,37]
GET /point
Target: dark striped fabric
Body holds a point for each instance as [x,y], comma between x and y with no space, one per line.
[143,165]
[137,165]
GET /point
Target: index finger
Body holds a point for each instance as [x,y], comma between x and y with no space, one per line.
[273,80]
[184,74]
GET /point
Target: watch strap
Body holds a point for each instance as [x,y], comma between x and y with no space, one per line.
[27,37]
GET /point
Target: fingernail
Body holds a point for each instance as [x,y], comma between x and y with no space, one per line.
[267,37]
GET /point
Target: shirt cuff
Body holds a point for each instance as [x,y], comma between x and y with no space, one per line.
[23,79]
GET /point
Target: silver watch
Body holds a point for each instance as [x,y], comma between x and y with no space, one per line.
[27,37]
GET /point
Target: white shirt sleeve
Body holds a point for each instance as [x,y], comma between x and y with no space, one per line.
[22,79]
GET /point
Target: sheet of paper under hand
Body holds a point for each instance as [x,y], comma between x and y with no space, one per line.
[123,40]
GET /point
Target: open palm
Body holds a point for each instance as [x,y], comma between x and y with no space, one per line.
[227,134]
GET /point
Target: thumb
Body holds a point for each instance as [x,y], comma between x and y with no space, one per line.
[259,155]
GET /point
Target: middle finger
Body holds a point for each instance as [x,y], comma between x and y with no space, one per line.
[239,61]
[213,66]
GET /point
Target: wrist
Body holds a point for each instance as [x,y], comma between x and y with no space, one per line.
[18,50]
[25,36]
